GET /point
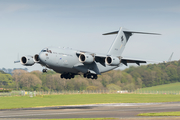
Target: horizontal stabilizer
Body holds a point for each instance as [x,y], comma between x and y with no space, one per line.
[116,32]
[142,32]
[110,33]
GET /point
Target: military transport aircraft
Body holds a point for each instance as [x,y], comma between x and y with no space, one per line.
[70,62]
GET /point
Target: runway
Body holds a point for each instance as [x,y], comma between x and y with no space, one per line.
[117,110]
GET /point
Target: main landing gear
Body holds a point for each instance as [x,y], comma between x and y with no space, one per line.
[86,75]
[89,75]
[67,75]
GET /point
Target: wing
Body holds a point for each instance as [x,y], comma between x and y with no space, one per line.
[125,61]
[101,58]
[98,57]
[18,61]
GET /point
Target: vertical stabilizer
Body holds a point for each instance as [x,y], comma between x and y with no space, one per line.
[121,39]
[119,43]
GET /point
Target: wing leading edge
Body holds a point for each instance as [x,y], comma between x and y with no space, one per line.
[101,58]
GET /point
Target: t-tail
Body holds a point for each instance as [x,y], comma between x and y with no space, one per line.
[121,39]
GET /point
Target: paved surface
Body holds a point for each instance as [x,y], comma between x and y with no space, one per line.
[125,111]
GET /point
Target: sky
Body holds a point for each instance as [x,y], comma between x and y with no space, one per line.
[28,26]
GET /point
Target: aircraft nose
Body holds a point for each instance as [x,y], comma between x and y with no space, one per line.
[41,56]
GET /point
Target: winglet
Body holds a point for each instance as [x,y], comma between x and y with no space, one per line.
[170,57]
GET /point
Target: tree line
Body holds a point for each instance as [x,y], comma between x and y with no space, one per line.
[131,78]
[9,71]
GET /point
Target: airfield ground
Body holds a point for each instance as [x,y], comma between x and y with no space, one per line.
[64,105]
[128,106]
[120,111]
[82,99]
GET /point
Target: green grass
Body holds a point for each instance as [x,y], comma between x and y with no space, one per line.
[161,114]
[82,99]
[81,119]
[165,87]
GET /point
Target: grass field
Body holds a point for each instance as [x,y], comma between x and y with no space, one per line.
[165,87]
[81,119]
[81,99]
[161,114]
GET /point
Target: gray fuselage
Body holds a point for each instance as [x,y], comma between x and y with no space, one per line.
[63,60]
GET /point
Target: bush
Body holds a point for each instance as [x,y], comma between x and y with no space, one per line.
[5,90]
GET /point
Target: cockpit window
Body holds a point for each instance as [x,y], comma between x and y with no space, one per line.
[43,50]
[46,50]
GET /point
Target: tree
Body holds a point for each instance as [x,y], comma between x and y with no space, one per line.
[113,87]
[29,81]
[6,80]
[17,75]
[91,88]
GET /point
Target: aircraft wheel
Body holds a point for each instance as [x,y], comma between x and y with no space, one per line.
[92,76]
[62,76]
[95,77]
[68,76]
[85,75]
[89,76]
[72,76]
[65,76]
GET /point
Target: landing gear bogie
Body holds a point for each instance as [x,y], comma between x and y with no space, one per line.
[67,75]
[89,75]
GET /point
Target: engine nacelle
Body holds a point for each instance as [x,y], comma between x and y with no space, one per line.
[86,58]
[112,61]
[27,60]
[36,58]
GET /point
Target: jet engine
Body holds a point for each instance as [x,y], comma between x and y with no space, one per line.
[27,60]
[86,58]
[112,61]
[36,58]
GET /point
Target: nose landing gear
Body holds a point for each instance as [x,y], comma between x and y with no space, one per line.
[44,70]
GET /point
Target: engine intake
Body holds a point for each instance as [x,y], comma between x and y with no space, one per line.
[27,60]
[112,61]
[86,58]
[36,58]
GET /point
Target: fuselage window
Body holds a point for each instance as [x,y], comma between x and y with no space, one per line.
[49,51]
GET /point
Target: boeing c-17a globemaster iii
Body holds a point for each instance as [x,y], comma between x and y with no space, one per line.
[71,62]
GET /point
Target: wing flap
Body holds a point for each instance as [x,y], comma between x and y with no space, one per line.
[125,61]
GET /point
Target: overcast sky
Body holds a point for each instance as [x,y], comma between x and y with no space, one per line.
[27,26]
